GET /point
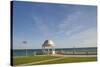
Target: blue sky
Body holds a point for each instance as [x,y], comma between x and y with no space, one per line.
[67,25]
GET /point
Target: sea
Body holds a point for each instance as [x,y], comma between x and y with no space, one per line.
[22,52]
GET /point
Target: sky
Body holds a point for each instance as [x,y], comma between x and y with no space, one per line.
[66,25]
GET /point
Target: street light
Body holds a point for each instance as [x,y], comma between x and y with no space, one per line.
[74,50]
[25,42]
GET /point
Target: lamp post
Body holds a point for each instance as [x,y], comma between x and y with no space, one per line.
[25,42]
[74,50]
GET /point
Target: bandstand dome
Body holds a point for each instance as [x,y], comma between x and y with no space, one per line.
[48,43]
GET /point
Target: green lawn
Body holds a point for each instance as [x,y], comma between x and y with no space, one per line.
[72,60]
[29,59]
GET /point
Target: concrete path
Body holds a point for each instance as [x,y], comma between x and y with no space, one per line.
[76,55]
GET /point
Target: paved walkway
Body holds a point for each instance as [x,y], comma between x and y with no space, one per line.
[76,55]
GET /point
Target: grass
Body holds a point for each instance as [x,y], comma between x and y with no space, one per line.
[29,59]
[72,60]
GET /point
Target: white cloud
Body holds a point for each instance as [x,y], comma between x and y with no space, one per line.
[86,38]
[76,22]
[42,27]
[69,24]
[72,31]
[69,20]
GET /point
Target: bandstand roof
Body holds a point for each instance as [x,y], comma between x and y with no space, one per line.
[48,43]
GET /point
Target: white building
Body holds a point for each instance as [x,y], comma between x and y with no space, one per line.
[49,45]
